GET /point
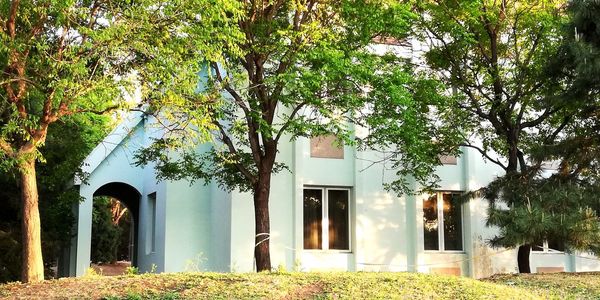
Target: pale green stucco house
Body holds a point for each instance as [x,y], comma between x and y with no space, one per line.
[329,213]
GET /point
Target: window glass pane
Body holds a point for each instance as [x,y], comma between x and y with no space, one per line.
[339,237]
[452,222]
[430,223]
[556,245]
[151,242]
[313,214]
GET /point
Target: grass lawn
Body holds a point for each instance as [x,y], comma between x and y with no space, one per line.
[556,286]
[310,286]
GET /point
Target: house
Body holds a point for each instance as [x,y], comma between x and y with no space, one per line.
[330,212]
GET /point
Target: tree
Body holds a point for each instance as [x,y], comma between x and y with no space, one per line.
[61,58]
[574,145]
[494,54]
[77,136]
[561,207]
[306,70]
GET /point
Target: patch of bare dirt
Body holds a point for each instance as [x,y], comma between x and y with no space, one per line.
[115,269]
[309,291]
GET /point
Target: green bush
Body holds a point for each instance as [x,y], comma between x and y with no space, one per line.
[10,259]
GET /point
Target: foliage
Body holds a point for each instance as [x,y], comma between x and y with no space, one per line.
[311,78]
[77,136]
[106,236]
[494,54]
[62,58]
[10,247]
[544,208]
[413,122]
[91,272]
[561,206]
[306,70]
[578,63]
[334,285]
[196,264]
[10,266]
[82,56]
[523,110]
[132,271]
[554,286]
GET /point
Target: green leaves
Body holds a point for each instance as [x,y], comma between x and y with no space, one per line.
[520,94]
[79,56]
[537,209]
[304,68]
[409,119]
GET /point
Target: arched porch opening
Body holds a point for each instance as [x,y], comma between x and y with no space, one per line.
[129,197]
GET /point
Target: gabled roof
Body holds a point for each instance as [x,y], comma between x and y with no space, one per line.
[109,143]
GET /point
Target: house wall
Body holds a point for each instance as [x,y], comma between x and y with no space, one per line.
[204,228]
[220,234]
[116,166]
[187,228]
[151,260]
[311,171]
[184,235]
[386,228]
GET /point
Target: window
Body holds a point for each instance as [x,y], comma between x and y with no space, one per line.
[447,215]
[550,246]
[326,214]
[326,146]
[151,239]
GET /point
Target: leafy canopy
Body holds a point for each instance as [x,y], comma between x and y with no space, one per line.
[66,57]
[307,68]
[494,54]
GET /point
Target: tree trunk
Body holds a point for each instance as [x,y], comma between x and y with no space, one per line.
[523,258]
[261,220]
[33,265]
[513,152]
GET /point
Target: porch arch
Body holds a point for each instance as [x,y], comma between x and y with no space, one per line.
[130,197]
[77,256]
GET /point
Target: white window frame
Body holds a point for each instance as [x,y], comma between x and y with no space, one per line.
[325,219]
[440,216]
[546,249]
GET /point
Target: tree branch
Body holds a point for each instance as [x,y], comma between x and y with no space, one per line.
[236,97]
[550,138]
[6,148]
[485,154]
[12,19]
[289,120]
[225,139]
[547,113]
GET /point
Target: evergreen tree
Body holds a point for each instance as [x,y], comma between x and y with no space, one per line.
[518,107]
[564,206]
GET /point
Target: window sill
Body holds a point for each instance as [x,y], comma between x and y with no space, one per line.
[444,252]
[327,251]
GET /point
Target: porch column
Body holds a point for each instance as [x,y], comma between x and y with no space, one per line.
[84,234]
